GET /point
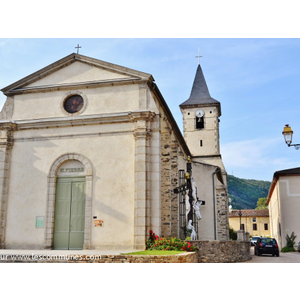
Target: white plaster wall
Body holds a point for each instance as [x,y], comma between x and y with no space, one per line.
[202,175]
[275,218]
[100,101]
[290,206]
[112,157]
[75,73]
[208,135]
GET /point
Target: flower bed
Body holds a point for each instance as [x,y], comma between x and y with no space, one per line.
[155,242]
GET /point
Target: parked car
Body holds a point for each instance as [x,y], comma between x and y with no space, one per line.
[299,247]
[266,246]
[254,240]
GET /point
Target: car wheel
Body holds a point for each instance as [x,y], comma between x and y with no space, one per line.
[258,253]
[277,254]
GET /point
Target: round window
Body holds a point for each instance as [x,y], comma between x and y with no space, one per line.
[73,104]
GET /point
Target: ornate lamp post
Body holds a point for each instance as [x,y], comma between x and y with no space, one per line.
[288,136]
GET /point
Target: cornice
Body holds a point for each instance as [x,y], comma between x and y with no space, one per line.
[77,120]
[74,86]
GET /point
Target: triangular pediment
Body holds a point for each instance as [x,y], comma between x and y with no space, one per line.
[75,70]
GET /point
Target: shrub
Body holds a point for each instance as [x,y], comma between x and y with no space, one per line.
[288,249]
[151,239]
[290,240]
[154,242]
[232,234]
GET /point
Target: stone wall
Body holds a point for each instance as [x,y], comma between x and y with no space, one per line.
[222,214]
[222,251]
[170,152]
[179,258]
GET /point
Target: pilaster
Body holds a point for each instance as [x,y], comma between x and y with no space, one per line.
[142,215]
[6,145]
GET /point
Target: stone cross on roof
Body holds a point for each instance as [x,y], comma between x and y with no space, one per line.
[77,48]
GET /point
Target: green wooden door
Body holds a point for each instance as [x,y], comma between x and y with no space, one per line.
[69,213]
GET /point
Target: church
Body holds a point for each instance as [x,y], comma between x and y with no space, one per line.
[91,157]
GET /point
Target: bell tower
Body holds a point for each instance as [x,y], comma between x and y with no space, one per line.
[201,115]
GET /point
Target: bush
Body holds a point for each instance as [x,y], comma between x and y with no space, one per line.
[232,234]
[290,240]
[156,243]
[288,249]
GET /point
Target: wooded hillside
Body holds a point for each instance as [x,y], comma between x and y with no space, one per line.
[244,193]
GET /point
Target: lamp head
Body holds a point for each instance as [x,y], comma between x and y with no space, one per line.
[287,134]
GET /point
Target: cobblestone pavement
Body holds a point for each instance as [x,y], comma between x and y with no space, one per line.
[290,257]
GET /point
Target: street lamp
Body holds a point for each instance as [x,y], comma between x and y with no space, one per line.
[288,136]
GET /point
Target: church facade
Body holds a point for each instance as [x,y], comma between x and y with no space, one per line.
[90,155]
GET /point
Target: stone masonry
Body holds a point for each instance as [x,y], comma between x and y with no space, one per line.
[222,216]
[170,151]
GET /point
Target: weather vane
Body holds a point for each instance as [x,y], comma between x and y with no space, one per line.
[198,56]
[77,48]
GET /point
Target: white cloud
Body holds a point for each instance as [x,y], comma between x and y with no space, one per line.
[257,158]
[244,153]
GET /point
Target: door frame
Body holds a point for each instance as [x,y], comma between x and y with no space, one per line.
[71,180]
[50,205]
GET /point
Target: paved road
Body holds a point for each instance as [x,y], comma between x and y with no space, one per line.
[290,257]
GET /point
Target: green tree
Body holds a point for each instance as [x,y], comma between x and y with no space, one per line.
[261,203]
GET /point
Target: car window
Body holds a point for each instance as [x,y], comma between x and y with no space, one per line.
[268,241]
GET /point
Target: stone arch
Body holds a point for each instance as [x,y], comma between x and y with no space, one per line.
[50,205]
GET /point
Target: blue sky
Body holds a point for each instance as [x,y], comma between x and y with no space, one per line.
[257,81]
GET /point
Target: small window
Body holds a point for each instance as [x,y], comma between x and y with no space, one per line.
[201,143]
[254,226]
[242,227]
[73,104]
[199,123]
[254,220]
[266,226]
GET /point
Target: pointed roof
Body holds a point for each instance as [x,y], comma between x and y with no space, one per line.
[200,95]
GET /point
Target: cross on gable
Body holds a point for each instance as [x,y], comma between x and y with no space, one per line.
[77,48]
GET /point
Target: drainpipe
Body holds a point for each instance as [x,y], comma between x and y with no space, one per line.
[214,202]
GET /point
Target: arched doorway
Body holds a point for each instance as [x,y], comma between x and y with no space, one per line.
[68,212]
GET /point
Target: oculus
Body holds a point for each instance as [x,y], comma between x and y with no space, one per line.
[73,104]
